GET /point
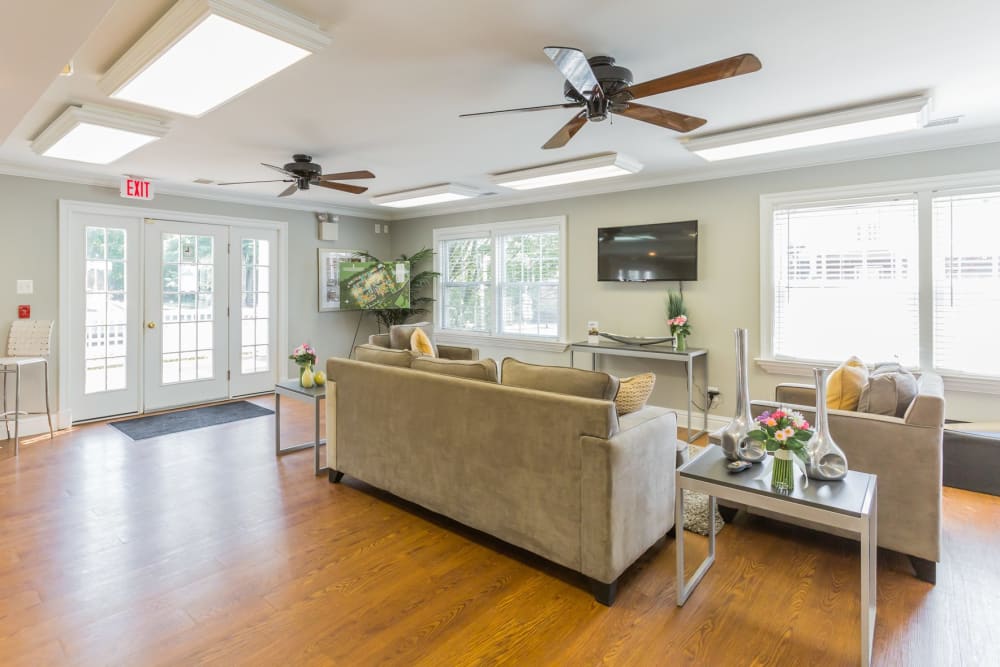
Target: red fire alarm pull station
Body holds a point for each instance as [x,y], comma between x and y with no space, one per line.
[24,312]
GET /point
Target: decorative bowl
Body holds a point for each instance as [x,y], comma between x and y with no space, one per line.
[636,340]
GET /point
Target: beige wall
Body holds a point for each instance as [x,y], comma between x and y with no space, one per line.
[727,292]
[29,221]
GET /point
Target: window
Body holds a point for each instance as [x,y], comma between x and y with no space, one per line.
[846,281]
[503,279]
[912,277]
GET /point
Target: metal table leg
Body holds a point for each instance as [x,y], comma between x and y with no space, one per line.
[17,408]
[277,423]
[869,563]
[317,441]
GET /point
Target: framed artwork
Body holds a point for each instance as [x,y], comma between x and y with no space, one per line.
[329,276]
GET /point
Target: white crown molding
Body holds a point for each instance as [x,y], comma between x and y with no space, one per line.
[112,182]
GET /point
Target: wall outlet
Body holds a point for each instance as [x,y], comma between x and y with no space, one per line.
[712,390]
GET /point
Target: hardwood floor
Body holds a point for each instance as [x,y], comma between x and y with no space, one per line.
[201,547]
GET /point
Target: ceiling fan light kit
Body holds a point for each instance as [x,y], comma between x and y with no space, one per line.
[96,134]
[607,165]
[203,53]
[437,194]
[858,123]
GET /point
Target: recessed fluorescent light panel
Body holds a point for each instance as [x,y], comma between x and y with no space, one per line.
[203,53]
[863,122]
[574,171]
[437,194]
[96,134]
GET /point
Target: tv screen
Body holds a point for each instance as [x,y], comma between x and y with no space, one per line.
[665,251]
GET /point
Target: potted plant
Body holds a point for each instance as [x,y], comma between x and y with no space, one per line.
[677,318]
[785,433]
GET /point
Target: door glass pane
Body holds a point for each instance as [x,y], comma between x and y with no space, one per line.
[106,316]
[255,314]
[188,313]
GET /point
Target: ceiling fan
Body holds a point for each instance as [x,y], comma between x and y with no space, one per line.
[302,173]
[600,88]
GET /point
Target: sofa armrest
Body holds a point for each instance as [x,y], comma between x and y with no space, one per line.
[627,495]
[382,340]
[457,353]
[795,394]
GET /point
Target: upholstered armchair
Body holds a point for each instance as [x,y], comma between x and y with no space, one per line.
[444,351]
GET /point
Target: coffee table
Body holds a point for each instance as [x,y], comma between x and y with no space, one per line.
[315,395]
[849,504]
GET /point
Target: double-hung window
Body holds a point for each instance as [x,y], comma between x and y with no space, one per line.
[502,279]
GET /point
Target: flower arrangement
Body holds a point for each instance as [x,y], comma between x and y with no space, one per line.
[784,432]
[677,315]
[304,355]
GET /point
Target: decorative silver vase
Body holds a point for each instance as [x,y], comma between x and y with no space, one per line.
[735,443]
[826,461]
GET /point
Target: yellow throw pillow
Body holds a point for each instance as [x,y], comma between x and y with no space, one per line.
[421,342]
[633,393]
[843,388]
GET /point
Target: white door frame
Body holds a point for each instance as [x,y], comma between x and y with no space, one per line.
[68,207]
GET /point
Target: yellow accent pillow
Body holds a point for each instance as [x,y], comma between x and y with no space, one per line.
[633,393]
[421,342]
[843,387]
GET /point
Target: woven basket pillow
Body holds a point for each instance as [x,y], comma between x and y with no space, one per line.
[633,393]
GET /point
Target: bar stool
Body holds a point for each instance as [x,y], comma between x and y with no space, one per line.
[27,343]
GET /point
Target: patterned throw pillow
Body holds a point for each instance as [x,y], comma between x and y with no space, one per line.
[633,393]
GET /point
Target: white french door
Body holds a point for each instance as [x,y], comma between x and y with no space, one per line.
[186,333]
[253,327]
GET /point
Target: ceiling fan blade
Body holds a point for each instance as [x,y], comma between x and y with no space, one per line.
[283,171]
[721,69]
[344,187]
[574,66]
[276,180]
[290,190]
[347,176]
[668,119]
[567,105]
[567,131]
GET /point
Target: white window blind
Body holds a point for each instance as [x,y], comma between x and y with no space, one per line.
[966,251]
[466,281]
[529,285]
[846,281]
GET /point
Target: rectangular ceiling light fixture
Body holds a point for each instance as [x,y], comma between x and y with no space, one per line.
[203,53]
[607,165]
[859,123]
[437,194]
[96,134]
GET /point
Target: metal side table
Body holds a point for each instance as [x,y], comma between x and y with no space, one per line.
[316,395]
[849,504]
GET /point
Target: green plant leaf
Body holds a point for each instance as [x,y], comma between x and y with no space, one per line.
[757,435]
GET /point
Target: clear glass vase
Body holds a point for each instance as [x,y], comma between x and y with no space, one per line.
[783,472]
[825,461]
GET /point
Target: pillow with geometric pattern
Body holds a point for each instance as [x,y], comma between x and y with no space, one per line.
[633,392]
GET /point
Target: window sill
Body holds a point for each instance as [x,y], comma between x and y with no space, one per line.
[976,384]
[476,340]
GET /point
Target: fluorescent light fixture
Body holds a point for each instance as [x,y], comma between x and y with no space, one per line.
[437,194]
[96,134]
[860,123]
[608,165]
[203,53]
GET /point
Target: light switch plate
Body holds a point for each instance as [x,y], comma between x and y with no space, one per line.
[385,228]
[25,286]
[378,228]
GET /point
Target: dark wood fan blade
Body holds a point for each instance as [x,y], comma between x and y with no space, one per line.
[344,187]
[290,190]
[286,173]
[567,105]
[347,176]
[668,119]
[721,69]
[276,180]
[567,131]
[574,66]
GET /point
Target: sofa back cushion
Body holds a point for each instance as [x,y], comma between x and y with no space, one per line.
[374,354]
[559,380]
[484,369]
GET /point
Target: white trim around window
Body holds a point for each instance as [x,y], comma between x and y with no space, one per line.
[490,332]
[925,191]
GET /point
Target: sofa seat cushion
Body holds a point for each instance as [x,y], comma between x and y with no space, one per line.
[889,391]
[484,369]
[633,392]
[843,388]
[374,354]
[559,380]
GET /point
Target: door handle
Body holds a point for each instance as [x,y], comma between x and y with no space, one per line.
[150,325]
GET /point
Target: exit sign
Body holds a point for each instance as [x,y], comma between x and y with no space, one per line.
[136,188]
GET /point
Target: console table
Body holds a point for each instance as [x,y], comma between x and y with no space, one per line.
[661,352]
[314,395]
[850,504]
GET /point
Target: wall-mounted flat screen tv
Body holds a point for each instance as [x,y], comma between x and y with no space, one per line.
[640,253]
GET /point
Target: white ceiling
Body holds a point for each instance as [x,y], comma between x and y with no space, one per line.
[386,94]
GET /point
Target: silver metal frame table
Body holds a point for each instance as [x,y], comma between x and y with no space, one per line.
[687,357]
[293,389]
[850,504]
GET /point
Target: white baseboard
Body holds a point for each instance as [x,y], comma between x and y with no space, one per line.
[38,424]
[715,422]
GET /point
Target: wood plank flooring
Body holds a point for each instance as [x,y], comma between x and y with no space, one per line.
[201,547]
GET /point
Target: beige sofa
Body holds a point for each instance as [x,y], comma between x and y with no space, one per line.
[555,474]
[905,453]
